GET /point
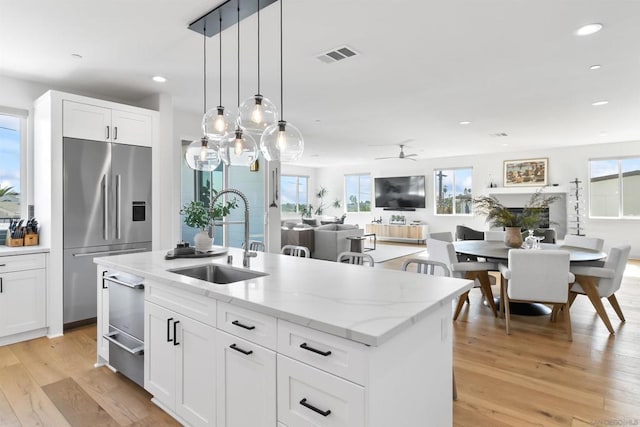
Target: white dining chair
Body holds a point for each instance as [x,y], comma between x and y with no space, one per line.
[255,245]
[594,243]
[428,266]
[356,258]
[293,250]
[445,253]
[539,276]
[602,282]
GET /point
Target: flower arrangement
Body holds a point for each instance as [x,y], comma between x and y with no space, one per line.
[198,216]
[500,216]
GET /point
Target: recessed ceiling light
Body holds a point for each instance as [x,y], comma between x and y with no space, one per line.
[595,67]
[315,155]
[465,123]
[603,134]
[505,144]
[599,103]
[588,29]
[158,79]
[76,55]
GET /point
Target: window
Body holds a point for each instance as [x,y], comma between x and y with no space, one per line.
[11,187]
[294,193]
[357,193]
[614,188]
[452,192]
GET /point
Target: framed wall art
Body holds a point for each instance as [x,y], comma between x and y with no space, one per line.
[527,172]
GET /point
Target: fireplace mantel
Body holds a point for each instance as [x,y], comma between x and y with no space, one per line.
[548,189]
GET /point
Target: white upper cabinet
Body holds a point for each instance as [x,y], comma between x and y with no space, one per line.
[96,123]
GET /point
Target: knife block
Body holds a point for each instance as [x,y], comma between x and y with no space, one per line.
[31,239]
[14,242]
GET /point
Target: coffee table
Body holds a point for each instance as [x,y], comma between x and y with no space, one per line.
[357,243]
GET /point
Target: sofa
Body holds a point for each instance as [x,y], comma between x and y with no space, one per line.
[331,239]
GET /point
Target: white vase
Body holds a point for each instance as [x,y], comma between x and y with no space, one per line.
[203,241]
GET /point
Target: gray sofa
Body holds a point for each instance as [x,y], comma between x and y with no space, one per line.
[331,239]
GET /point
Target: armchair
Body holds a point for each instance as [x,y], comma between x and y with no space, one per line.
[331,240]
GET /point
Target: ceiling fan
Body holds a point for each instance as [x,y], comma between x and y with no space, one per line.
[401,155]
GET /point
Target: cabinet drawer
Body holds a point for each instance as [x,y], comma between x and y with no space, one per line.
[339,356]
[196,307]
[21,262]
[310,397]
[255,327]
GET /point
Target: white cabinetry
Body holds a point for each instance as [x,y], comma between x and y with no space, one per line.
[23,296]
[179,364]
[103,317]
[86,121]
[246,394]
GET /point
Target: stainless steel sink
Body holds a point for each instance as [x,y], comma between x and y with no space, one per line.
[217,274]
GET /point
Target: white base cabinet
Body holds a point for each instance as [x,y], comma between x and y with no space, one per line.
[179,367]
[23,296]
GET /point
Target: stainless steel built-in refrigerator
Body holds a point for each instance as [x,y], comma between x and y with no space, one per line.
[107,211]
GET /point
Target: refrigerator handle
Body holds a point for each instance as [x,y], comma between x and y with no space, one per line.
[118,205]
[105,204]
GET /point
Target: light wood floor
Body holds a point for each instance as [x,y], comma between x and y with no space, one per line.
[533,377]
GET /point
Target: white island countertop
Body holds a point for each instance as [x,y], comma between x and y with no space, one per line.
[363,304]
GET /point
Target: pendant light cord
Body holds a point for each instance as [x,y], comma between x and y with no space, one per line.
[281,68]
[238,54]
[204,67]
[220,57]
[258,46]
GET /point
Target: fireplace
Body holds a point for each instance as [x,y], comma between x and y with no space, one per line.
[543,218]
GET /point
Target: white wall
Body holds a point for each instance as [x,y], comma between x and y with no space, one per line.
[565,164]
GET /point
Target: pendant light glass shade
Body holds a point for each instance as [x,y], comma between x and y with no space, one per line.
[282,141]
[256,114]
[238,149]
[203,155]
[217,123]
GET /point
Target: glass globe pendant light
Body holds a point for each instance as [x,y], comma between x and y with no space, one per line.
[217,123]
[257,113]
[202,154]
[282,141]
[238,148]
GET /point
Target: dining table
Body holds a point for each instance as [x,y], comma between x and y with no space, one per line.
[498,252]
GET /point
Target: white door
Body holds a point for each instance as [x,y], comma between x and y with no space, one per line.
[246,383]
[84,121]
[131,128]
[196,372]
[22,301]
[160,354]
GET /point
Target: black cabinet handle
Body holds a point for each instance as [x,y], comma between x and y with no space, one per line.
[1,290]
[315,350]
[236,348]
[3,265]
[175,337]
[104,286]
[237,323]
[115,133]
[107,132]
[169,330]
[304,403]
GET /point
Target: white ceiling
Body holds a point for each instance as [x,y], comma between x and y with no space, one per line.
[512,66]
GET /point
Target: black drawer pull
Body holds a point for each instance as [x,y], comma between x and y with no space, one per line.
[169,339]
[315,350]
[304,403]
[175,337]
[236,348]
[1,289]
[237,323]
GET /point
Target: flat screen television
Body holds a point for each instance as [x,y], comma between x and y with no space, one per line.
[400,192]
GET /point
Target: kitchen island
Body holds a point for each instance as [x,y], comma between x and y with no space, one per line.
[308,342]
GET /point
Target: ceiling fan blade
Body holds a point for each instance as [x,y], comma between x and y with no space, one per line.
[409,155]
[385,158]
[408,158]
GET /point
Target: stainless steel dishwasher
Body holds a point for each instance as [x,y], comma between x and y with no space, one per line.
[126,325]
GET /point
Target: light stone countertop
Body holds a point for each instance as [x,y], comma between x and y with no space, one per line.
[21,250]
[363,304]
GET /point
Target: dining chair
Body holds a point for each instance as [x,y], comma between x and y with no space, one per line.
[446,236]
[445,253]
[494,236]
[594,243]
[255,245]
[602,282]
[293,250]
[539,276]
[428,266]
[467,233]
[356,258]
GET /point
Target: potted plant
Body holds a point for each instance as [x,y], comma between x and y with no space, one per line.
[500,216]
[197,215]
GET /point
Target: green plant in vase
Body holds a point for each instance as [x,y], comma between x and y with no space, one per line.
[197,215]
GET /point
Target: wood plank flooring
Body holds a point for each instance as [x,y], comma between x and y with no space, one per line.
[534,377]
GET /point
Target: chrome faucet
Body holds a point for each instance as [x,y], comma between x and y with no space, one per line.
[247,253]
